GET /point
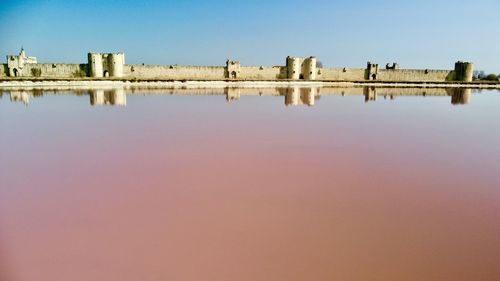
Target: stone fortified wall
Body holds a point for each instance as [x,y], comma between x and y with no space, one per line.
[55,70]
[342,74]
[112,65]
[233,70]
[415,75]
[174,72]
[264,73]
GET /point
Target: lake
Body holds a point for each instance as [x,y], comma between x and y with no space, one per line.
[250,184]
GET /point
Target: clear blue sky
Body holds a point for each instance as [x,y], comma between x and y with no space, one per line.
[417,34]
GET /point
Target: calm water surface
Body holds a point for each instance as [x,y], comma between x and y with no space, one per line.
[364,185]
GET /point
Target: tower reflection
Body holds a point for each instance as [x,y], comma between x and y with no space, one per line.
[370,93]
[300,96]
[460,96]
[20,96]
[108,97]
[232,94]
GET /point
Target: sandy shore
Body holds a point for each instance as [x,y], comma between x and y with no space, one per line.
[105,84]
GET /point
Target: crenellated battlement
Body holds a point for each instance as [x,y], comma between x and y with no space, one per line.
[112,66]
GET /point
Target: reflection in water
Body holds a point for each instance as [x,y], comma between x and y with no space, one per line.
[293,96]
[300,96]
[460,96]
[254,191]
[108,97]
[232,94]
[370,94]
[20,96]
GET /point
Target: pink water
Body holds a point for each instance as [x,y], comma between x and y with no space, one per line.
[179,187]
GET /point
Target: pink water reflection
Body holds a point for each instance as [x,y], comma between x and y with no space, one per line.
[194,188]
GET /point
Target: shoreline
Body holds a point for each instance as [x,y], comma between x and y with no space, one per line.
[198,84]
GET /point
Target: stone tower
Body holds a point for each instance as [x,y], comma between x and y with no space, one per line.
[233,69]
[293,68]
[464,71]
[372,71]
[116,63]
[95,65]
[310,68]
[106,65]
[301,68]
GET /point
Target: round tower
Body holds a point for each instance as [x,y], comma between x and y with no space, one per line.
[293,68]
[468,71]
[95,65]
[310,68]
[116,63]
[464,71]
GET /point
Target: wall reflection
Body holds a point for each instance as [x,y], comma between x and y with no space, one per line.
[293,96]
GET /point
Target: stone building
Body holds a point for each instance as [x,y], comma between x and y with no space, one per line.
[106,64]
[233,69]
[15,64]
[372,71]
[301,68]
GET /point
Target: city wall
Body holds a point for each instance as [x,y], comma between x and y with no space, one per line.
[410,75]
[263,73]
[174,72]
[112,65]
[55,70]
[49,70]
[341,74]
[416,75]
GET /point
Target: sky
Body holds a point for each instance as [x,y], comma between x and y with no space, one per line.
[416,34]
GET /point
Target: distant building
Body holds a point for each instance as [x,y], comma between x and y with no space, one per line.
[301,68]
[16,63]
[233,69]
[106,64]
